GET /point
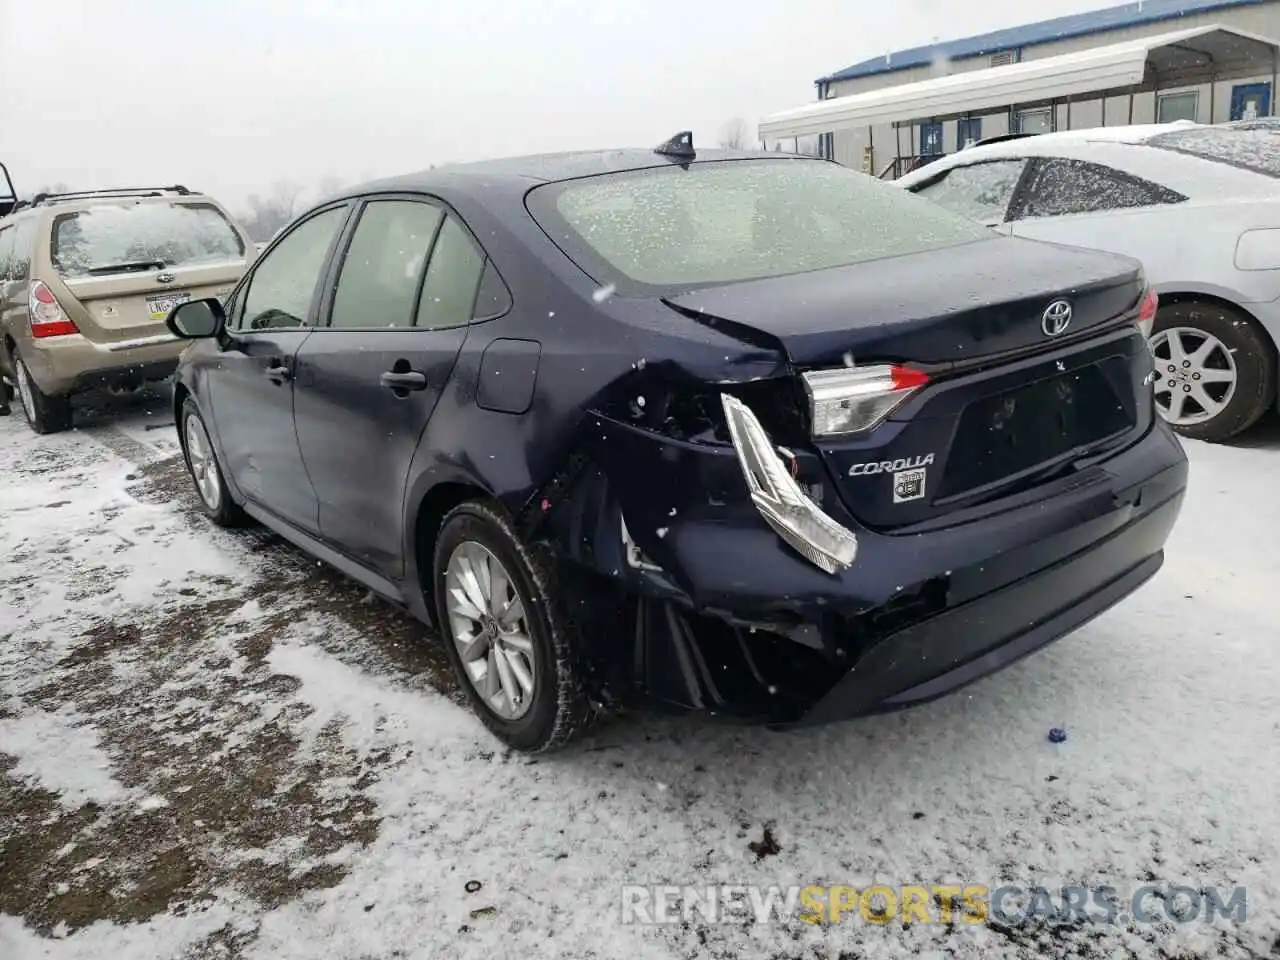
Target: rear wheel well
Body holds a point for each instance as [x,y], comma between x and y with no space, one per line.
[438,501]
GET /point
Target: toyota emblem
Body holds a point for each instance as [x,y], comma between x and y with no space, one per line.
[165,278]
[1057,317]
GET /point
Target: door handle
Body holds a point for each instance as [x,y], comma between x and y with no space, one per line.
[277,371]
[409,380]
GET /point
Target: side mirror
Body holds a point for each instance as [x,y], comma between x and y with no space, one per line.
[196,319]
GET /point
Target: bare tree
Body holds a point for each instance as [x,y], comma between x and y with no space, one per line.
[268,214]
[734,134]
[329,186]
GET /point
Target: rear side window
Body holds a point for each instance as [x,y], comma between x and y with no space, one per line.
[1253,147]
[1059,187]
[122,238]
[6,253]
[671,228]
[453,277]
[24,239]
[378,284]
[981,191]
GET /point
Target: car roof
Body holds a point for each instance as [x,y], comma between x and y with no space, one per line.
[519,174]
[1124,148]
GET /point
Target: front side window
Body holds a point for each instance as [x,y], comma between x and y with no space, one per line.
[383,267]
[453,277]
[128,237]
[671,228]
[1060,187]
[981,191]
[283,285]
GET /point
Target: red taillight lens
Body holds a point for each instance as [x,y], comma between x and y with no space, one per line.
[1147,311]
[857,399]
[47,317]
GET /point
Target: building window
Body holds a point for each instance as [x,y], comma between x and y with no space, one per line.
[1177,106]
[1035,121]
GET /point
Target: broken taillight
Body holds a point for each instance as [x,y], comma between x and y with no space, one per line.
[857,399]
[785,507]
[46,316]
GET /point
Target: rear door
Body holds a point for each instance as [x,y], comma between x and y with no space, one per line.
[369,380]
[251,386]
[119,268]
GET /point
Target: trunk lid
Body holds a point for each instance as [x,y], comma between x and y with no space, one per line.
[131,305]
[1008,410]
[941,306]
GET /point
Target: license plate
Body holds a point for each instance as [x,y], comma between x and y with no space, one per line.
[159,307]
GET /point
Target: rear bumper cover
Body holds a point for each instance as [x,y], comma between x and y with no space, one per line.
[63,365]
[986,634]
[733,622]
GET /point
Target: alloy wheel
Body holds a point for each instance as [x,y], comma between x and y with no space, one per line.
[203,468]
[1196,375]
[491,630]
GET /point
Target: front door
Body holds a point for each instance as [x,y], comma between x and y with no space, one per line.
[369,380]
[968,131]
[930,139]
[1249,101]
[251,383]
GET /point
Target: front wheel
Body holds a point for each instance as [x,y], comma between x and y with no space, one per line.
[503,632]
[206,474]
[1215,368]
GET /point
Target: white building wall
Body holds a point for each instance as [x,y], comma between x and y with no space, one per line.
[850,145]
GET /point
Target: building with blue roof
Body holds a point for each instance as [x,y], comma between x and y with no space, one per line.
[871,149]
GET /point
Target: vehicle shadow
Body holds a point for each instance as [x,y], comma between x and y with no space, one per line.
[1263,435]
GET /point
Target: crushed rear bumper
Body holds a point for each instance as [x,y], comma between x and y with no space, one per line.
[967,642]
[725,619]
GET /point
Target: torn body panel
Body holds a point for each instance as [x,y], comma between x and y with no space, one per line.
[694,602]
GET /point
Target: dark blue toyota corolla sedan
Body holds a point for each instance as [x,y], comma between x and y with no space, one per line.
[750,434]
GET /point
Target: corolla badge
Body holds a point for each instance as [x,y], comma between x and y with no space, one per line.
[1056,319]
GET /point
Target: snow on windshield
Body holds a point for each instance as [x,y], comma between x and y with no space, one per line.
[1251,146]
[107,236]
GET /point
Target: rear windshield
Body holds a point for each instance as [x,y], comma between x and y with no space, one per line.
[1254,148]
[138,236]
[655,231]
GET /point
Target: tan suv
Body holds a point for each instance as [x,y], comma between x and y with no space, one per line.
[87,279]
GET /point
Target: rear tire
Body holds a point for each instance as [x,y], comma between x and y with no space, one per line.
[44,413]
[1216,369]
[477,551]
[206,473]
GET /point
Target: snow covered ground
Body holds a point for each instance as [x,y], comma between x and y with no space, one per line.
[212,747]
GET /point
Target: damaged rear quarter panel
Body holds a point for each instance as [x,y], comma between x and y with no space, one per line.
[588,356]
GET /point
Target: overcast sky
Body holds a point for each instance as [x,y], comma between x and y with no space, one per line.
[229,96]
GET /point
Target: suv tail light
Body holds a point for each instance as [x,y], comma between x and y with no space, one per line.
[47,317]
[857,399]
[1147,311]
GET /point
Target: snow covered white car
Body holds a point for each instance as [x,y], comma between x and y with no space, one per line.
[742,433]
[1198,205]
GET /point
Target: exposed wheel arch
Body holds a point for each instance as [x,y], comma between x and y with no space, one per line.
[427,518]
